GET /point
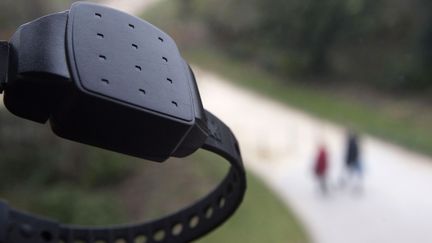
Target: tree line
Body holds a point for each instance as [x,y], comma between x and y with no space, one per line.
[383,43]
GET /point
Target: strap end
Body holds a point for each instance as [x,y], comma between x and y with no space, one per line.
[4,220]
[4,63]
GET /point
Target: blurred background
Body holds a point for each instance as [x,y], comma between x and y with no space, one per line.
[287,76]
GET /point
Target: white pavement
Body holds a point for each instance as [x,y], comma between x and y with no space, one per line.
[278,143]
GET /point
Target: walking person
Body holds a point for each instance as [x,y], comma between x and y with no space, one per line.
[353,169]
[321,169]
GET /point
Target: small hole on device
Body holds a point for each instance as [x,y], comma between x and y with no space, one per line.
[135,46]
[165,59]
[140,239]
[174,103]
[98,15]
[193,222]
[209,212]
[100,35]
[102,57]
[104,80]
[161,39]
[169,80]
[138,68]
[142,91]
[159,235]
[177,229]
[132,26]
[222,202]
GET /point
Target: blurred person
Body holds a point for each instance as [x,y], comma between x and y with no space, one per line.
[353,169]
[321,168]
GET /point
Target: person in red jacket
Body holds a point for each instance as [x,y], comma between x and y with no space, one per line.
[321,168]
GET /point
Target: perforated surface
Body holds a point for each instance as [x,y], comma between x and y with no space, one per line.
[124,58]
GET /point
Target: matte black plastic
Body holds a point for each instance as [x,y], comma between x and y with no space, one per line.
[199,131]
[37,72]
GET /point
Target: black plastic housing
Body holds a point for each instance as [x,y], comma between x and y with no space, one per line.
[37,72]
[108,79]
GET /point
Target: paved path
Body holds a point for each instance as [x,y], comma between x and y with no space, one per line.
[279,143]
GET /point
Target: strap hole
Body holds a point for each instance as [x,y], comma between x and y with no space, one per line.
[209,212]
[98,15]
[174,103]
[161,40]
[193,222]
[140,239]
[100,35]
[169,80]
[46,236]
[159,235]
[222,202]
[102,57]
[120,240]
[135,46]
[104,80]
[165,59]
[177,229]
[142,91]
[132,26]
[138,68]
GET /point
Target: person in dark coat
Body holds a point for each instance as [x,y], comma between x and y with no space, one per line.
[353,167]
[353,154]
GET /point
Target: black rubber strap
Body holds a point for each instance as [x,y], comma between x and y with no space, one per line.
[4,63]
[184,226]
